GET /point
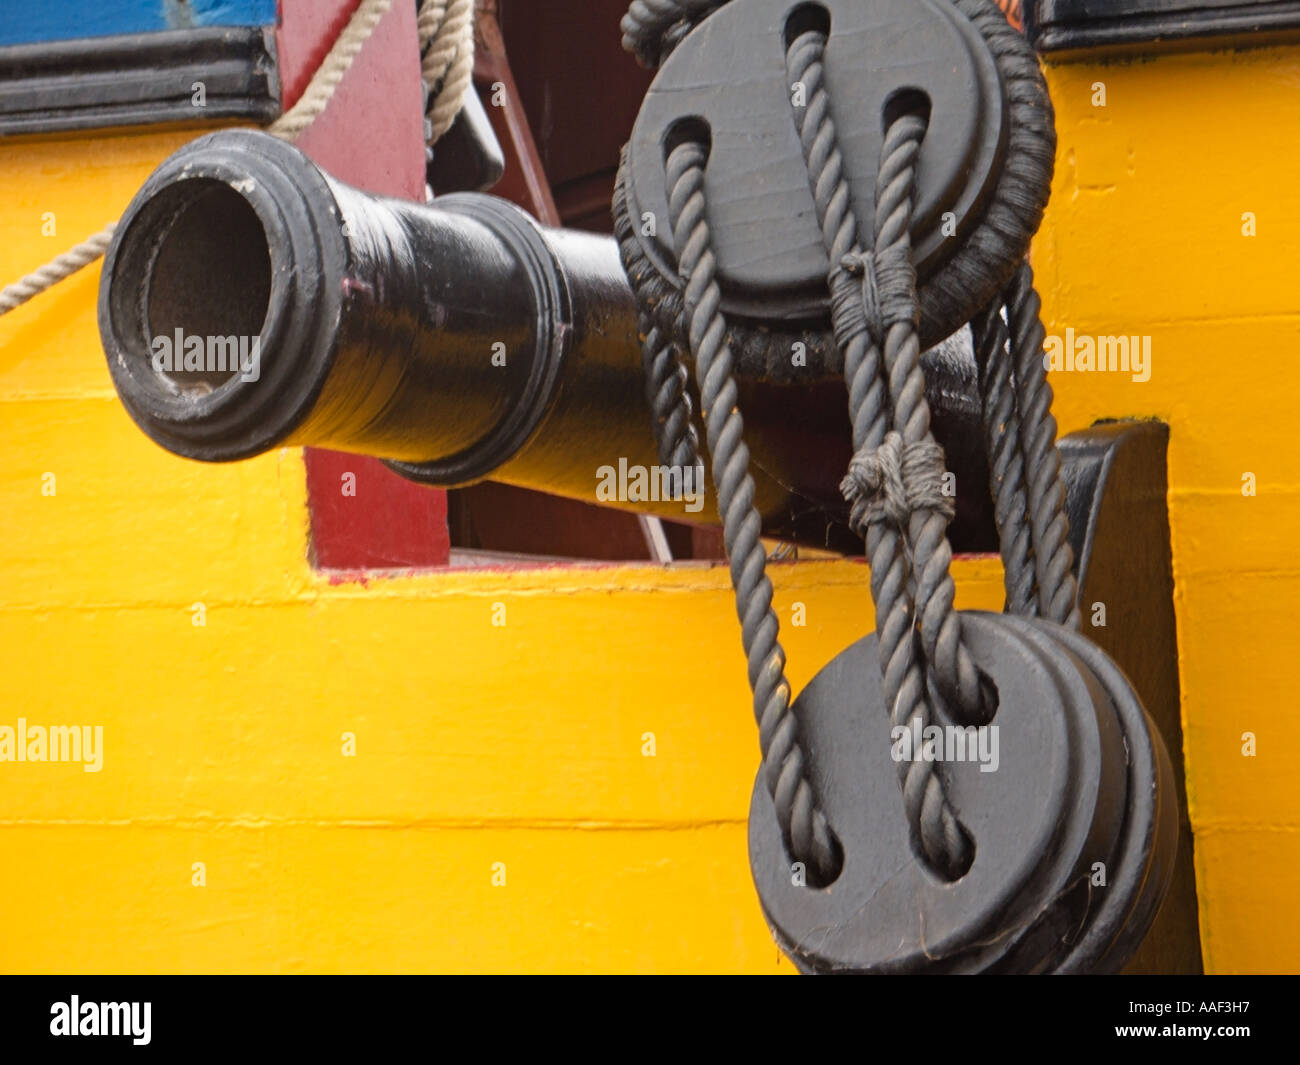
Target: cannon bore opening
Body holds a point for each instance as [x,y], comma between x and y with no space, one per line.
[206,287]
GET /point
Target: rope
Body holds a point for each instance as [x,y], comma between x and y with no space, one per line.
[894,481]
[808,837]
[325,82]
[446,32]
[455,25]
[803,826]
[1001,416]
[652,28]
[670,403]
[1049,527]
[55,270]
[1025,465]
[665,376]
[884,306]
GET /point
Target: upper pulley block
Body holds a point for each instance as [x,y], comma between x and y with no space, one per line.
[951,60]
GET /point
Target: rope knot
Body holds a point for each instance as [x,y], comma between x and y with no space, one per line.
[893,481]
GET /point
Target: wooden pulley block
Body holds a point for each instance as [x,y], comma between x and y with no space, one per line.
[1064,790]
[983,171]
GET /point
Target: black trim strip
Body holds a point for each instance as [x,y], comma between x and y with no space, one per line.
[139,79]
[1060,25]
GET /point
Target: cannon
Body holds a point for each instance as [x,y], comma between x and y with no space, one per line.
[250,301]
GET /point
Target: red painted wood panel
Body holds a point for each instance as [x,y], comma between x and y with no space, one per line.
[372,136]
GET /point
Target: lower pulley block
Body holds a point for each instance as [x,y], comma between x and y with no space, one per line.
[1063,782]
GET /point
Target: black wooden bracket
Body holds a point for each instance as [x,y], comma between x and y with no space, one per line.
[469,157]
[1116,497]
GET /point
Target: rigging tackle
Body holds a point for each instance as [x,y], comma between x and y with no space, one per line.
[901,118]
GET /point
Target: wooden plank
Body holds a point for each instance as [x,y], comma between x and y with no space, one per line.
[1149,234]
[476,697]
[330,898]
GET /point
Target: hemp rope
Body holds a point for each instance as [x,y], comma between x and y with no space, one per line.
[446,32]
[895,479]
[894,484]
[803,824]
[325,82]
[56,270]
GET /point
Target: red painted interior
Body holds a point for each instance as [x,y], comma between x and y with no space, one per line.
[372,136]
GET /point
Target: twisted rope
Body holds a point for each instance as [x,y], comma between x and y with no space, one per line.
[939,624]
[883,479]
[807,835]
[1058,591]
[894,481]
[670,403]
[455,26]
[1001,416]
[325,82]
[652,28]
[446,32]
[665,376]
[56,270]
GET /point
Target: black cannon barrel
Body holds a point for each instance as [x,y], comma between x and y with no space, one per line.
[250,301]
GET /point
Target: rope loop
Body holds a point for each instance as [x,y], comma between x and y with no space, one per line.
[895,482]
[809,839]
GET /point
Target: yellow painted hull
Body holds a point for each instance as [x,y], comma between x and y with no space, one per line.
[500,812]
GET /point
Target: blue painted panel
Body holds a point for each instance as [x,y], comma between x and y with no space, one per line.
[25,21]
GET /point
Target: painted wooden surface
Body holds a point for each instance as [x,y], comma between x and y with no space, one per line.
[223,744]
[23,22]
[522,743]
[1147,234]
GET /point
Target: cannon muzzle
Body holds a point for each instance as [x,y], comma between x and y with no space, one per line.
[250,301]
